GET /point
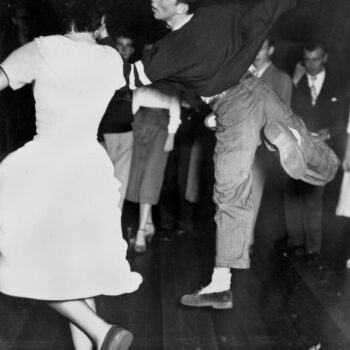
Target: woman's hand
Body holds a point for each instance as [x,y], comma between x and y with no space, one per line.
[169,143]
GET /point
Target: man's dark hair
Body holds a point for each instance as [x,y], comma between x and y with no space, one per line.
[125,33]
[271,40]
[192,4]
[314,45]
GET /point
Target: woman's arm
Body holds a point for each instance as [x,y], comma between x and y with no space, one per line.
[346,161]
[174,112]
[4,82]
[174,121]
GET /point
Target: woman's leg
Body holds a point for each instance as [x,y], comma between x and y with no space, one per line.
[145,214]
[80,340]
[150,225]
[140,242]
[81,313]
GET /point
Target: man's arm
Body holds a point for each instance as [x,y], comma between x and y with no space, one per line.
[286,88]
[137,76]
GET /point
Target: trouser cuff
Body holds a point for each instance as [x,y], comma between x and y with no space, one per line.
[233,264]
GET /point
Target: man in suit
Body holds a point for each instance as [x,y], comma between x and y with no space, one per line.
[281,83]
[316,98]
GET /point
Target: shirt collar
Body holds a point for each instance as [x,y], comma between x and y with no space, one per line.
[318,76]
[259,72]
[181,24]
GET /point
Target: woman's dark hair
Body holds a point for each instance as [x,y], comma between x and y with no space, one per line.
[84,14]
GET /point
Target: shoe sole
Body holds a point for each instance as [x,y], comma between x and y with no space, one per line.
[124,339]
[219,306]
[291,156]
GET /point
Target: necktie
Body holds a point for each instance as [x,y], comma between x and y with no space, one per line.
[313,90]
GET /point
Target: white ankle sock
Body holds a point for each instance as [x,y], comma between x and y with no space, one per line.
[220,281]
[296,135]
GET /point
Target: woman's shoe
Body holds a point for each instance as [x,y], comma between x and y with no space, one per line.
[150,231]
[117,338]
[140,241]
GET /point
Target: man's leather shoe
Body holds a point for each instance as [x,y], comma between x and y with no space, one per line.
[314,259]
[290,152]
[295,250]
[220,300]
[117,338]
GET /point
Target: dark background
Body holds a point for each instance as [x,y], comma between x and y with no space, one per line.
[324,19]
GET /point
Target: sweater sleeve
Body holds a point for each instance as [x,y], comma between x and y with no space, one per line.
[286,90]
[256,20]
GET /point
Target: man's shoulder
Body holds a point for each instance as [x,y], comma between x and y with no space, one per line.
[274,70]
[276,74]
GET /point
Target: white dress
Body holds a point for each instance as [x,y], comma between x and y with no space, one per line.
[60,230]
[343,207]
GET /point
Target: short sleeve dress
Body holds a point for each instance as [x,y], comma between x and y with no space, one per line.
[60,230]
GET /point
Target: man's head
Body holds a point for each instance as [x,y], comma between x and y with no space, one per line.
[315,57]
[22,20]
[165,10]
[125,44]
[264,55]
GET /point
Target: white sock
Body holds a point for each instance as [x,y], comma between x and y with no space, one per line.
[296,135]
[220,281]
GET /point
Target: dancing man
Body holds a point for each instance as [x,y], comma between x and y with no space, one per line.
[209,51]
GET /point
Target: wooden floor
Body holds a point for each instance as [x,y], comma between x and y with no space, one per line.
[280,303]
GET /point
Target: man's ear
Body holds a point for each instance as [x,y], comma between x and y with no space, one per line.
[271,50]
[325,58]
[182,8]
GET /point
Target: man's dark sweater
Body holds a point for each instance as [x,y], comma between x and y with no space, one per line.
[214,49]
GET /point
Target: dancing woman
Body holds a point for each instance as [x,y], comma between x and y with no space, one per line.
[157,117]
[60,236]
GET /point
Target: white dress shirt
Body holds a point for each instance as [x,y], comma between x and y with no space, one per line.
[317,80]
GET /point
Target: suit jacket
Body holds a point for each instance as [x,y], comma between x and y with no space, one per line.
[280,82]
[330,110]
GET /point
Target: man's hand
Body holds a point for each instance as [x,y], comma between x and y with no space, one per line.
[210,121]
[323,134]
[169,143]
[299,71]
